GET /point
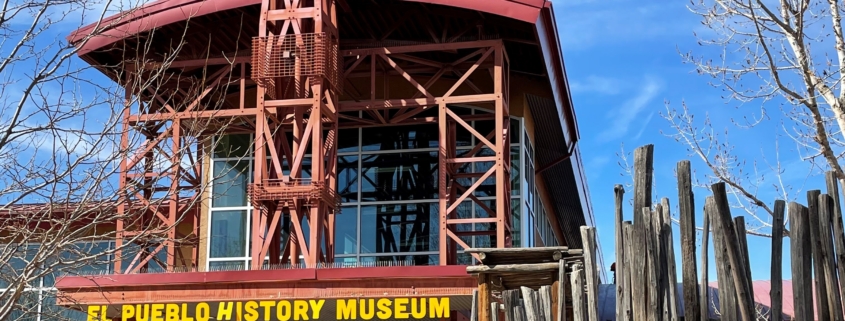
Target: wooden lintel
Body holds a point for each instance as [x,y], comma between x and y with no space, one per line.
[534,267]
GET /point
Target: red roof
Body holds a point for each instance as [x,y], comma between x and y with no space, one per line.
[159,13]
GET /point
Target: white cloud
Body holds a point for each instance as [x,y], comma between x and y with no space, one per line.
[623,116]
[602,85]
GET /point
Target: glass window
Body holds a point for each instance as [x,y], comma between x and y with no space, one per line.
[400,137]
[392,260]
[230,183]
[228,234]
[347,140]
[399,228]
[400,176]
[346,231]
[225,266]
[347,178]
[233,145]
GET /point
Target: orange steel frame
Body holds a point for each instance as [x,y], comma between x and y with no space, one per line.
[298,91]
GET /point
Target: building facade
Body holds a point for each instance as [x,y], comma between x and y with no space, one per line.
[319,159]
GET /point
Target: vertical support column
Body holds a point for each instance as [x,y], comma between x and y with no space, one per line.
[501,137]
[442,185]
[122,207]
[173,208]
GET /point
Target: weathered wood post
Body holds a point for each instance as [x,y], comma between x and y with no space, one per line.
[686,212]
[838,229]
[643,174]
[671,268]
[578,304]
[654,310]
[629,261]
[777,262]
[722,220]
[727,287]
[704,290]
[822,305]
[800,248]
[834,300]
[623,296]
[588,237]
[742,243]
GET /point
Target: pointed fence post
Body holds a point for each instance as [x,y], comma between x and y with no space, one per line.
[776,293]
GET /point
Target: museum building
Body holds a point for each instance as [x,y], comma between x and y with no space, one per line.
[329,159]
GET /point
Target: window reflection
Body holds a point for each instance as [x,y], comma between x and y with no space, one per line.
[399,176]
[228,234]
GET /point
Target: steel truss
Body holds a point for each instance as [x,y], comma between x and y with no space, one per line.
[299,76]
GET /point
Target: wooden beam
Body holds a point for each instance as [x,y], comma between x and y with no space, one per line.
[533,267]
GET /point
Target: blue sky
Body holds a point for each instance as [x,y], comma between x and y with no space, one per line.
[623,63]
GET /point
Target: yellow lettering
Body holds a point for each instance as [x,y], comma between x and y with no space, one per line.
[239,311]
[157,313]
[185,316]
[346,309]
[438,308]
[316,306]
[93,312]
[203,312]
[103,313]
[142,312]
[283,311]
[267,305]
[224,311]
[171,312]
[384,311]
[367,314]
[418,308]
[401,308]
[127,311]
[251,311]
[300,310]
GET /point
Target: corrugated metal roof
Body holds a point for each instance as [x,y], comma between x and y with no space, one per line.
[559,178]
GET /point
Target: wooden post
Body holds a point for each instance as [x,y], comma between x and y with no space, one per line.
[545,293]
[483,298]
[510,298]
[639,277]
[671,268]
[722,219]
[825,218]
[802,291]
[838,230]
[654,310]
[529,303]
[742,243]
[629,273]
[727,288]
[822,305]
[494,311]
[643,174]
[704,290]
[588,237]
[660,262]
[473,314]
[686,212]
[622,305]
[777,262]
[578,310]
[561,291]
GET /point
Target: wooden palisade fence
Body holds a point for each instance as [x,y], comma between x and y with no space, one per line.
[645,265]
[559,284]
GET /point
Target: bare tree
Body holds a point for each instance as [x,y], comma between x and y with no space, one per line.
[64,137]
[787,57]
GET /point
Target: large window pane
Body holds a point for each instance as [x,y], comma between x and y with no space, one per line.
[347,140]
[347,178]
[400,137]
[214,266]
[346,231]
[400,176]
[393,260]
[399,228]
[230,182]
[233,145]
[83,258]
[228,234]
